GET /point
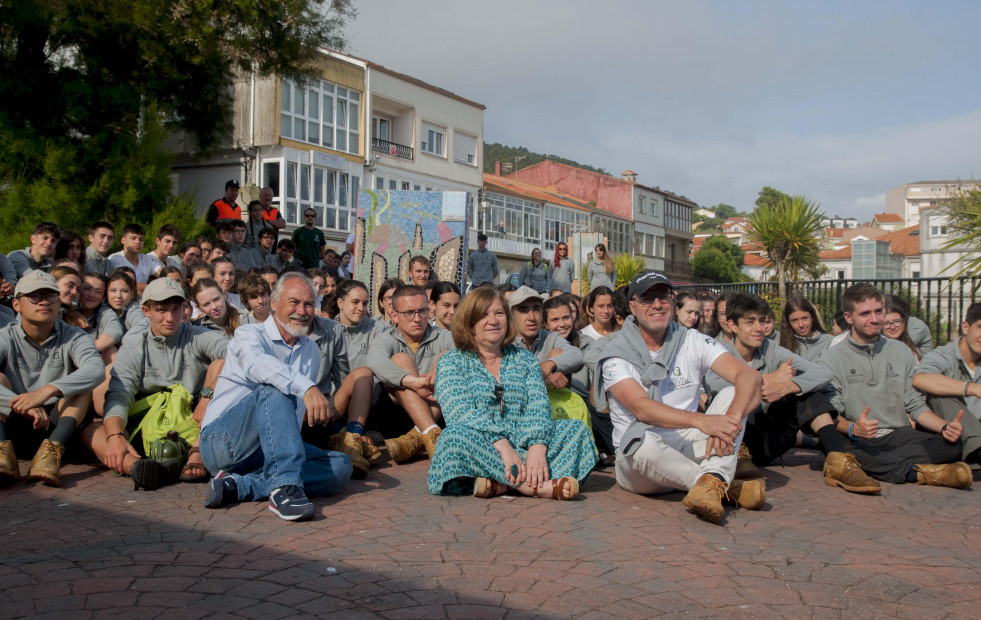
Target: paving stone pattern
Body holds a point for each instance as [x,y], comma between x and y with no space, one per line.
[386,548]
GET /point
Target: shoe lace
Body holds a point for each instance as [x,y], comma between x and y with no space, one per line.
[851,462]
[719,487]
[292,491]
[49,449]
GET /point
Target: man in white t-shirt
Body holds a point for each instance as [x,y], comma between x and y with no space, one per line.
[651,371]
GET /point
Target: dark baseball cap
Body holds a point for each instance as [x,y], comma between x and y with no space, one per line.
[644,281]
[231,183]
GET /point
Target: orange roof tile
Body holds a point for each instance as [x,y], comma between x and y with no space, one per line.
[752,260]
[836,254]
[885,218]
[541,194]
[905,241]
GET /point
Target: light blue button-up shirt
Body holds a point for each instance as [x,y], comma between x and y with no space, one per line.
[258,355]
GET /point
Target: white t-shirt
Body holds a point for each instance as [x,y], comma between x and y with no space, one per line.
[679,390]
[146,267]
[158,264]
[590,331]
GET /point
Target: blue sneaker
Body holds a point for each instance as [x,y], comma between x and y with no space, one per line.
[222,491]
[289,502]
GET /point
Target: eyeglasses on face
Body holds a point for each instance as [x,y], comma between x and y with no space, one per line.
[411,314]
[36,297]
[649,298]
[892,324]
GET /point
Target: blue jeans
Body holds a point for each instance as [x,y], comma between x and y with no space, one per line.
[258,442]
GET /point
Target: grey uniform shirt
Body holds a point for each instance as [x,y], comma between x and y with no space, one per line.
[812,348]
[7,316]
[387,344]
[24,263]
[96,263]
[948,361]
[105,321]
[482,267]
[358,338]
[535,277]
[146,364]
[329,338]
[243,258]
[7,271]
[919,333]
[769,357]
[878,376]
[598,276]
[563,276]
[67,359]
[568,362]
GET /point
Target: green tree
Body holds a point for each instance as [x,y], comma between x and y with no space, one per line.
[769,197]
[719,260]
[90,90]
[724,211]
[786,230]
[963,214]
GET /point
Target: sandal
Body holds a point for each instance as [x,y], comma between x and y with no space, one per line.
[559,485]
[487,488]
[194,472]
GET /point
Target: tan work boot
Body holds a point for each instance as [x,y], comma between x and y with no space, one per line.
[46,465]
[369,451]
[745,469]
[9,467]
[350,444]
[428,439]
[403,448]
[842,470]
[953,475]
[748,494]
[705,498]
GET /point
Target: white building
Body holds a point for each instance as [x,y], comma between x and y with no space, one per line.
[908,200]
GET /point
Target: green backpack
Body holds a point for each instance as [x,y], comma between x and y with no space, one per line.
[567,405]
[167,410]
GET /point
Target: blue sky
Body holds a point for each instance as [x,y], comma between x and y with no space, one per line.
[840,101]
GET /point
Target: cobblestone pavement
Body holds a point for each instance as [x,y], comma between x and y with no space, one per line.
[386,548]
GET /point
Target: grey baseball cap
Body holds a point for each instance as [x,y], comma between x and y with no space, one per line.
[162,289]
[644,281]
[523,293]
[35,281]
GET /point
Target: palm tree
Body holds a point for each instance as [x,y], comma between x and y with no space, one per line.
[786,231]
[963,221]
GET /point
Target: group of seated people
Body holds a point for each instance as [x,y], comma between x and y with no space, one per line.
[504,389]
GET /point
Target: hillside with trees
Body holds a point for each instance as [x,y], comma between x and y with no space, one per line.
[524,158]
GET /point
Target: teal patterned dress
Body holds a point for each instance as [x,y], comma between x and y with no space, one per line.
[474,421]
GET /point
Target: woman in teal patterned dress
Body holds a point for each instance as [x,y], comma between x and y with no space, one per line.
[500,435]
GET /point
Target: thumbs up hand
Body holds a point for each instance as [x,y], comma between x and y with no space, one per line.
[952,430]
[864,427]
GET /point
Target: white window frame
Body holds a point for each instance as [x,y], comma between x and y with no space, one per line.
[470,155]
[322,114]
[376,124]
[427,147]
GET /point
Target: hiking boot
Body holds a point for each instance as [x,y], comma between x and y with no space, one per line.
[705,498]
[748,494]
[151,475]
[403,448]
[46,465]
[9,467]
[745,470]
[953,475]
[350,444]
[290,503]
[841,469]
[369,451]
[428,439]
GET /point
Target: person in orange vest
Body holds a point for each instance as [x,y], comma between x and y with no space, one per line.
[270,214]
[224,209]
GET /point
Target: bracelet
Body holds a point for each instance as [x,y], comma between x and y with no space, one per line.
[964,391]
[944,429]
[108,437]
[850,427]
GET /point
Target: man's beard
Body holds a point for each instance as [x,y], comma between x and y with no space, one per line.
[296,332]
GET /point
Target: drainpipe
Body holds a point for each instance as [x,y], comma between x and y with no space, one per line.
[258,159]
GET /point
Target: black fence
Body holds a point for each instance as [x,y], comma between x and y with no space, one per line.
[939,302]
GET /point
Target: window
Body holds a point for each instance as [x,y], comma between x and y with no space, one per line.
[561,223]
[840,274]
[323,114]
[433,137]
[641,203]
[521,218]
[677,216]
[381,128]
[464,148]
[618,233]
[938,231]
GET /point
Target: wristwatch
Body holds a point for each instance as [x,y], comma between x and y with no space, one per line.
[207,393]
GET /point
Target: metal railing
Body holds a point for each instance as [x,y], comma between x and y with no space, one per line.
[391,148]
[677,268]
[939,302]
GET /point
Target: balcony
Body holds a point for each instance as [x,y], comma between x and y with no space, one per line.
[500,244]
[391,148]
[677,269]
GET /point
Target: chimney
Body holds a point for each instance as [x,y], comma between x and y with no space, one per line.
[629,175]
[497,168]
